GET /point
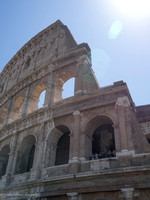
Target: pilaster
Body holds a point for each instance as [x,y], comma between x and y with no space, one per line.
[25,102]
[75,139]
[127,193]
[121,103]
[73,196]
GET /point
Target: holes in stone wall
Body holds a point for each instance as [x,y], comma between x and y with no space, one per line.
[68,88]
[25,156]
[66,79]
[58,146]
[103,140]
[100,130]
[37,97]
[4,155]
[62,152]
[148,137]
[41,99]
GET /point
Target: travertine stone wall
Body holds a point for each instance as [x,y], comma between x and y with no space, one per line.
[46,62]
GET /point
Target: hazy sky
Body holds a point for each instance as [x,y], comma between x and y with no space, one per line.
[119,38]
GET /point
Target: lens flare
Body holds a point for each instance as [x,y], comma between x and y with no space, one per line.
[114,30]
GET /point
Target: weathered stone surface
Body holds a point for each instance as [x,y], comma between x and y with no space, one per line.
[46,153]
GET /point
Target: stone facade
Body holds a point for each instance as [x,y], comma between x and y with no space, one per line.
[45,153]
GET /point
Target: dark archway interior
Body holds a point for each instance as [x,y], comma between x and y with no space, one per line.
[25,155]
[30,158]
[148,137]
[4,155]
[103,139]
[62,152]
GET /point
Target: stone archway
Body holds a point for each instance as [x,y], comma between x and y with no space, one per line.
[4,156]
[58,146]
[25,155]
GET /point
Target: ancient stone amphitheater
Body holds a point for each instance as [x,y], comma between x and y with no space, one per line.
[91,146]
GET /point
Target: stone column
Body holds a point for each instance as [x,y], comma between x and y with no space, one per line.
[75,137]
[25,102]
[85,79]
[11,160]
[128,193]
[117,138]
[47,100]
[37,163]
[121,103]
[8,112]
[73,196]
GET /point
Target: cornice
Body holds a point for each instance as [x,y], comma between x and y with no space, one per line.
[49,113]
[30,120]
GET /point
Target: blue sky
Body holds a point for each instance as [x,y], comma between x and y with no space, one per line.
[120,43]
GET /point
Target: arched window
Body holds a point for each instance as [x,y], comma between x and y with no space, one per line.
[100,137]
[103,139]
[64,86]
[68,88]
[16,109]
[25,155]
[148,137]
[41,99]
[62,152]
[58,146]
[37,98]
[4,155]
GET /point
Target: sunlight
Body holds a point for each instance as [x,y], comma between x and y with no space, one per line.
[133,8]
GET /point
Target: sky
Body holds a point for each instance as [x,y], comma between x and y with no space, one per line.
[118,35]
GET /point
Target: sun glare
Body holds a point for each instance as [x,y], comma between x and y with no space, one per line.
[133,8]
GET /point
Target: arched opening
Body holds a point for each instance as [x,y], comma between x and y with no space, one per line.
[2,116]
[68,78]
[58,146]
[25,155]
[41,99]
[100,130]
[15,112]
[4,155]
[68,88]
[148,137]
[37,98]
[62,152]
[103,140]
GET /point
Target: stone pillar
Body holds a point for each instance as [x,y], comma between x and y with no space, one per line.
[85,149]
[128,193]
[8,112]
[85,79]
[11,160]
[75,137]
[37,163]
[121,103]
[47,100]
[117,138]
[9,169]
[73,196]
[25,102]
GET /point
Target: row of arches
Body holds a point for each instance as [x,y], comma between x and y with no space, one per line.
[58,146]
[36,100]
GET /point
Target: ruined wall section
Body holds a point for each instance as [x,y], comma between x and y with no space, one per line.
[47,45]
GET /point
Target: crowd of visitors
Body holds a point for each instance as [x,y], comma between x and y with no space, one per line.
[103,154]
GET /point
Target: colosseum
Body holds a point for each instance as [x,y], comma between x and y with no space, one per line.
[94,145]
